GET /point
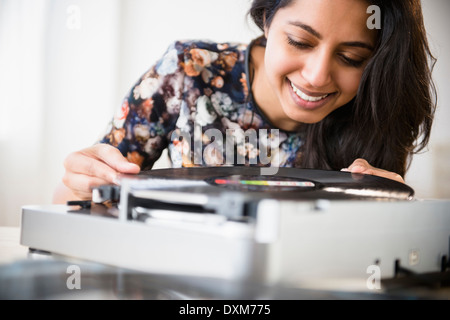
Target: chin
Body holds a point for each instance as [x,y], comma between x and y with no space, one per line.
[306,117]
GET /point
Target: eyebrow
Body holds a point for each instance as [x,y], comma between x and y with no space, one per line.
[316,34]
[306,28]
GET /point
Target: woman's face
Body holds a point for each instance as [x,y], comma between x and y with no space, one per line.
[315,55]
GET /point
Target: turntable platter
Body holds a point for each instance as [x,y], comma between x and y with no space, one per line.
[287,183]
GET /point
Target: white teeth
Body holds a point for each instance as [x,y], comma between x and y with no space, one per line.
[305,97]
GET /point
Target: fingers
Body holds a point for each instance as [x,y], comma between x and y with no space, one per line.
[79,163]
[359,166]
[101,161]
[94,166]
[112,157]
[81,185]
[362,166]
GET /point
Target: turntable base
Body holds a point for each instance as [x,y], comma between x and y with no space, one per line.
[231,233]
[289,242]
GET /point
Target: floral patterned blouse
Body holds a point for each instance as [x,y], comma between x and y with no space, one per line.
[196,102]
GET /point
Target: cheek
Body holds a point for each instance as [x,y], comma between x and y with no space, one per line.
[278,65]
[349,83]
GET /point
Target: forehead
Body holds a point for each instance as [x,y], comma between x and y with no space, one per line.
[347,18]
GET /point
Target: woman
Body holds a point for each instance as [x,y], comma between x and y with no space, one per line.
[334,93]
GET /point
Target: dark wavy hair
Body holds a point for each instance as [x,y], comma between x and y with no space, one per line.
[390,118]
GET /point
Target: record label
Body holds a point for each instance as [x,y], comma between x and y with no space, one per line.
[261,183]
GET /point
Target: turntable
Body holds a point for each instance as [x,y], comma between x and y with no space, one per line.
[299,228]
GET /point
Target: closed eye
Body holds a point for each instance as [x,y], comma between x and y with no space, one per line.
[346,60]
[351,62]
[298,44]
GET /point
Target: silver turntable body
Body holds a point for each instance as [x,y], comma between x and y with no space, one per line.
[171,227]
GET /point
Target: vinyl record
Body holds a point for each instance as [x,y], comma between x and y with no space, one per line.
[286,183]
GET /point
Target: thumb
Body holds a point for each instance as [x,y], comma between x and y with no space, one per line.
[114,158]
[128,167]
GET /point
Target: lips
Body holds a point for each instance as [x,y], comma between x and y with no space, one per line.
[307,97]
[309,100]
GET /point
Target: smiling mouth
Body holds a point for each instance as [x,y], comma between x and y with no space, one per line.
[306,97]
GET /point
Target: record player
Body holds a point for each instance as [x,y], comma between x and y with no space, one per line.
[299,227]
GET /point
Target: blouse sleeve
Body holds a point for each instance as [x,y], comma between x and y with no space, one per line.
[142,126]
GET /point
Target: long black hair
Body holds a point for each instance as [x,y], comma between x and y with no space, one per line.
[390,118]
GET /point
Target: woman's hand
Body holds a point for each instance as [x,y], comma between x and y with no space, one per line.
[91,167]
[362,166]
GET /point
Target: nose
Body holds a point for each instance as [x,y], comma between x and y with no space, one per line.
[317,69]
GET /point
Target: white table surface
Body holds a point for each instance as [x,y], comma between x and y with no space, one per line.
[10,248]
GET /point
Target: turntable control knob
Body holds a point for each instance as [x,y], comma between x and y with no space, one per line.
[106,193]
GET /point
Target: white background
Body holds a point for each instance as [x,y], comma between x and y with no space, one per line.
[66,65]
